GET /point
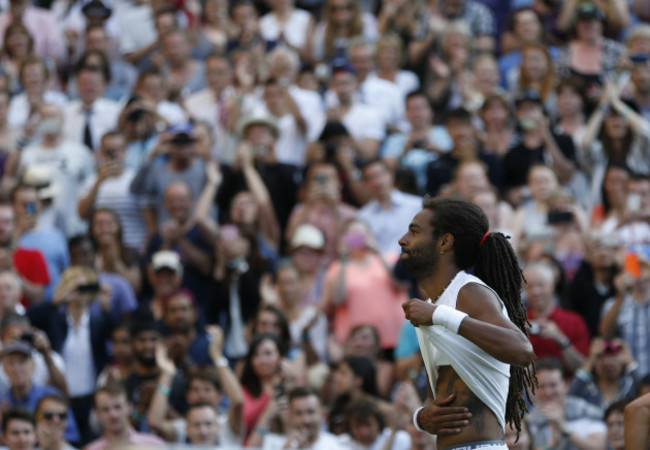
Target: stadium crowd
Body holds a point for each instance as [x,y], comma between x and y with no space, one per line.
[201,203]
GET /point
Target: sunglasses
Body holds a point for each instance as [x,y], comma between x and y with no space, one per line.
[50,415]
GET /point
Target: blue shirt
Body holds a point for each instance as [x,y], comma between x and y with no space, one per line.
[54,247]
[123,299]
[71,433]
[389,225]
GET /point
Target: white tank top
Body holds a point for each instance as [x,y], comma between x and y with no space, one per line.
[486,376]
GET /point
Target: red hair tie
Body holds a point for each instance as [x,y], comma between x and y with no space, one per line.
[483,239]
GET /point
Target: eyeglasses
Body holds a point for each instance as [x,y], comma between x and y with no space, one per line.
[48,415]
[344,7]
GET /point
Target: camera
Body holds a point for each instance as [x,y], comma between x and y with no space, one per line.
[88,288]
[28,337]
[135,115]
[419,143]
[556,217]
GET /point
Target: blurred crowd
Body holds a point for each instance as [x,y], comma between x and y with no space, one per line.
[201,203]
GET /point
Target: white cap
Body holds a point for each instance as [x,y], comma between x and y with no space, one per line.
[40,177]
[307,235]
[166,259]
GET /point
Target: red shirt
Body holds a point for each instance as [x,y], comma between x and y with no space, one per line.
[30,265]
[571,324]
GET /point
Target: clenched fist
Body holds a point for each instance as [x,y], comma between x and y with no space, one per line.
[418,312]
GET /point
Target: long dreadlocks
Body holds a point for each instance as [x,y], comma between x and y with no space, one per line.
[495,263]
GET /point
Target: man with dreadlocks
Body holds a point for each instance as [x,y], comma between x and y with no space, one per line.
[472,330]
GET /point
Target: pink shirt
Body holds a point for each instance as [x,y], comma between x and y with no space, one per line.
[135,438]
[42,25]
[370,299]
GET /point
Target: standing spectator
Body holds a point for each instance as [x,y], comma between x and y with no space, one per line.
[113,411]
[555,332]
[93,115]
[51,417]
[306,250]
[628,313]
[389,62]
[288,25]
[359,288]
[389,212]
[69,161]
[110,188]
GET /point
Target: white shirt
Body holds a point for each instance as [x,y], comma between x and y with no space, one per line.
[312,108]
[115,193]
[389,225]
[103,118]
[172,112]
[405,80]
[325,441]
[294,29]
[19,107]
[71,163]
[364,122]
[137,26]
[78,357]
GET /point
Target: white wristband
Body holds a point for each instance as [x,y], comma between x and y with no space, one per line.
[415,419]
[448,317]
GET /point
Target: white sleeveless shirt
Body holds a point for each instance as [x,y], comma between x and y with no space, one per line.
[486,376]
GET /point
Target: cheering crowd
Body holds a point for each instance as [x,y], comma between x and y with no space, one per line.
[201,203]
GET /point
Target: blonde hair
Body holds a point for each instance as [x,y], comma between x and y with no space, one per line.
[71,274]
[641,31]
[356,27]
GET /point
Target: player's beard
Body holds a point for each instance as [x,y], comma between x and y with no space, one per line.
[420,262]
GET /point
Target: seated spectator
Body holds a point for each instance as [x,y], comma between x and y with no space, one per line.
[498,133]
[555,332]
[113,410]
[305,421]
[615,424]
[122,361]
[367,428]
[465,147]
[536,73]
[389,212]
[306,252]
[624,314]
[560,419]
[608,374]
[51,417]
[18,429]
[49,368]
[18,365]
[203,424]
[185,75]
[291,26]
[165,274]
[79,334]
[388,57]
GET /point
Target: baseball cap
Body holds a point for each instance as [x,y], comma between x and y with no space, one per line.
[589,11]
[181,133]
[17,347]
[166,259]
[342,65]
[307,235]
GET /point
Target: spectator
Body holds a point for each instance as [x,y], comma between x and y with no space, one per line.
[465,147]
[185,74]
[10,293]
[306,252]
[18,45]
[615,424]
[216,26]
[536,73]
[18,365]
[69,161]
[387,205]
[423,144]
[389,61]
[290,26]
[49,367]
[560,419]
[555,332]
[203,424]
[93,115]
[18,429]
[498,134]
[165,275]
[110,188]
[113,411]
[51,418]
[367,427]
[152,89]
[121,365]
[305,424]
[571,106]
[359,288]
[609,374]
[629,307]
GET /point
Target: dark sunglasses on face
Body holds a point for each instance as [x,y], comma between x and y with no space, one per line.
[48,415]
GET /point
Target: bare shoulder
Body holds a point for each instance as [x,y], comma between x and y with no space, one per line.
[480,302]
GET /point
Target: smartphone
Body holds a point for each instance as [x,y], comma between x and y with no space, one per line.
[28,337]
[632,265]
[556,217]
[88,288]
[31,208]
